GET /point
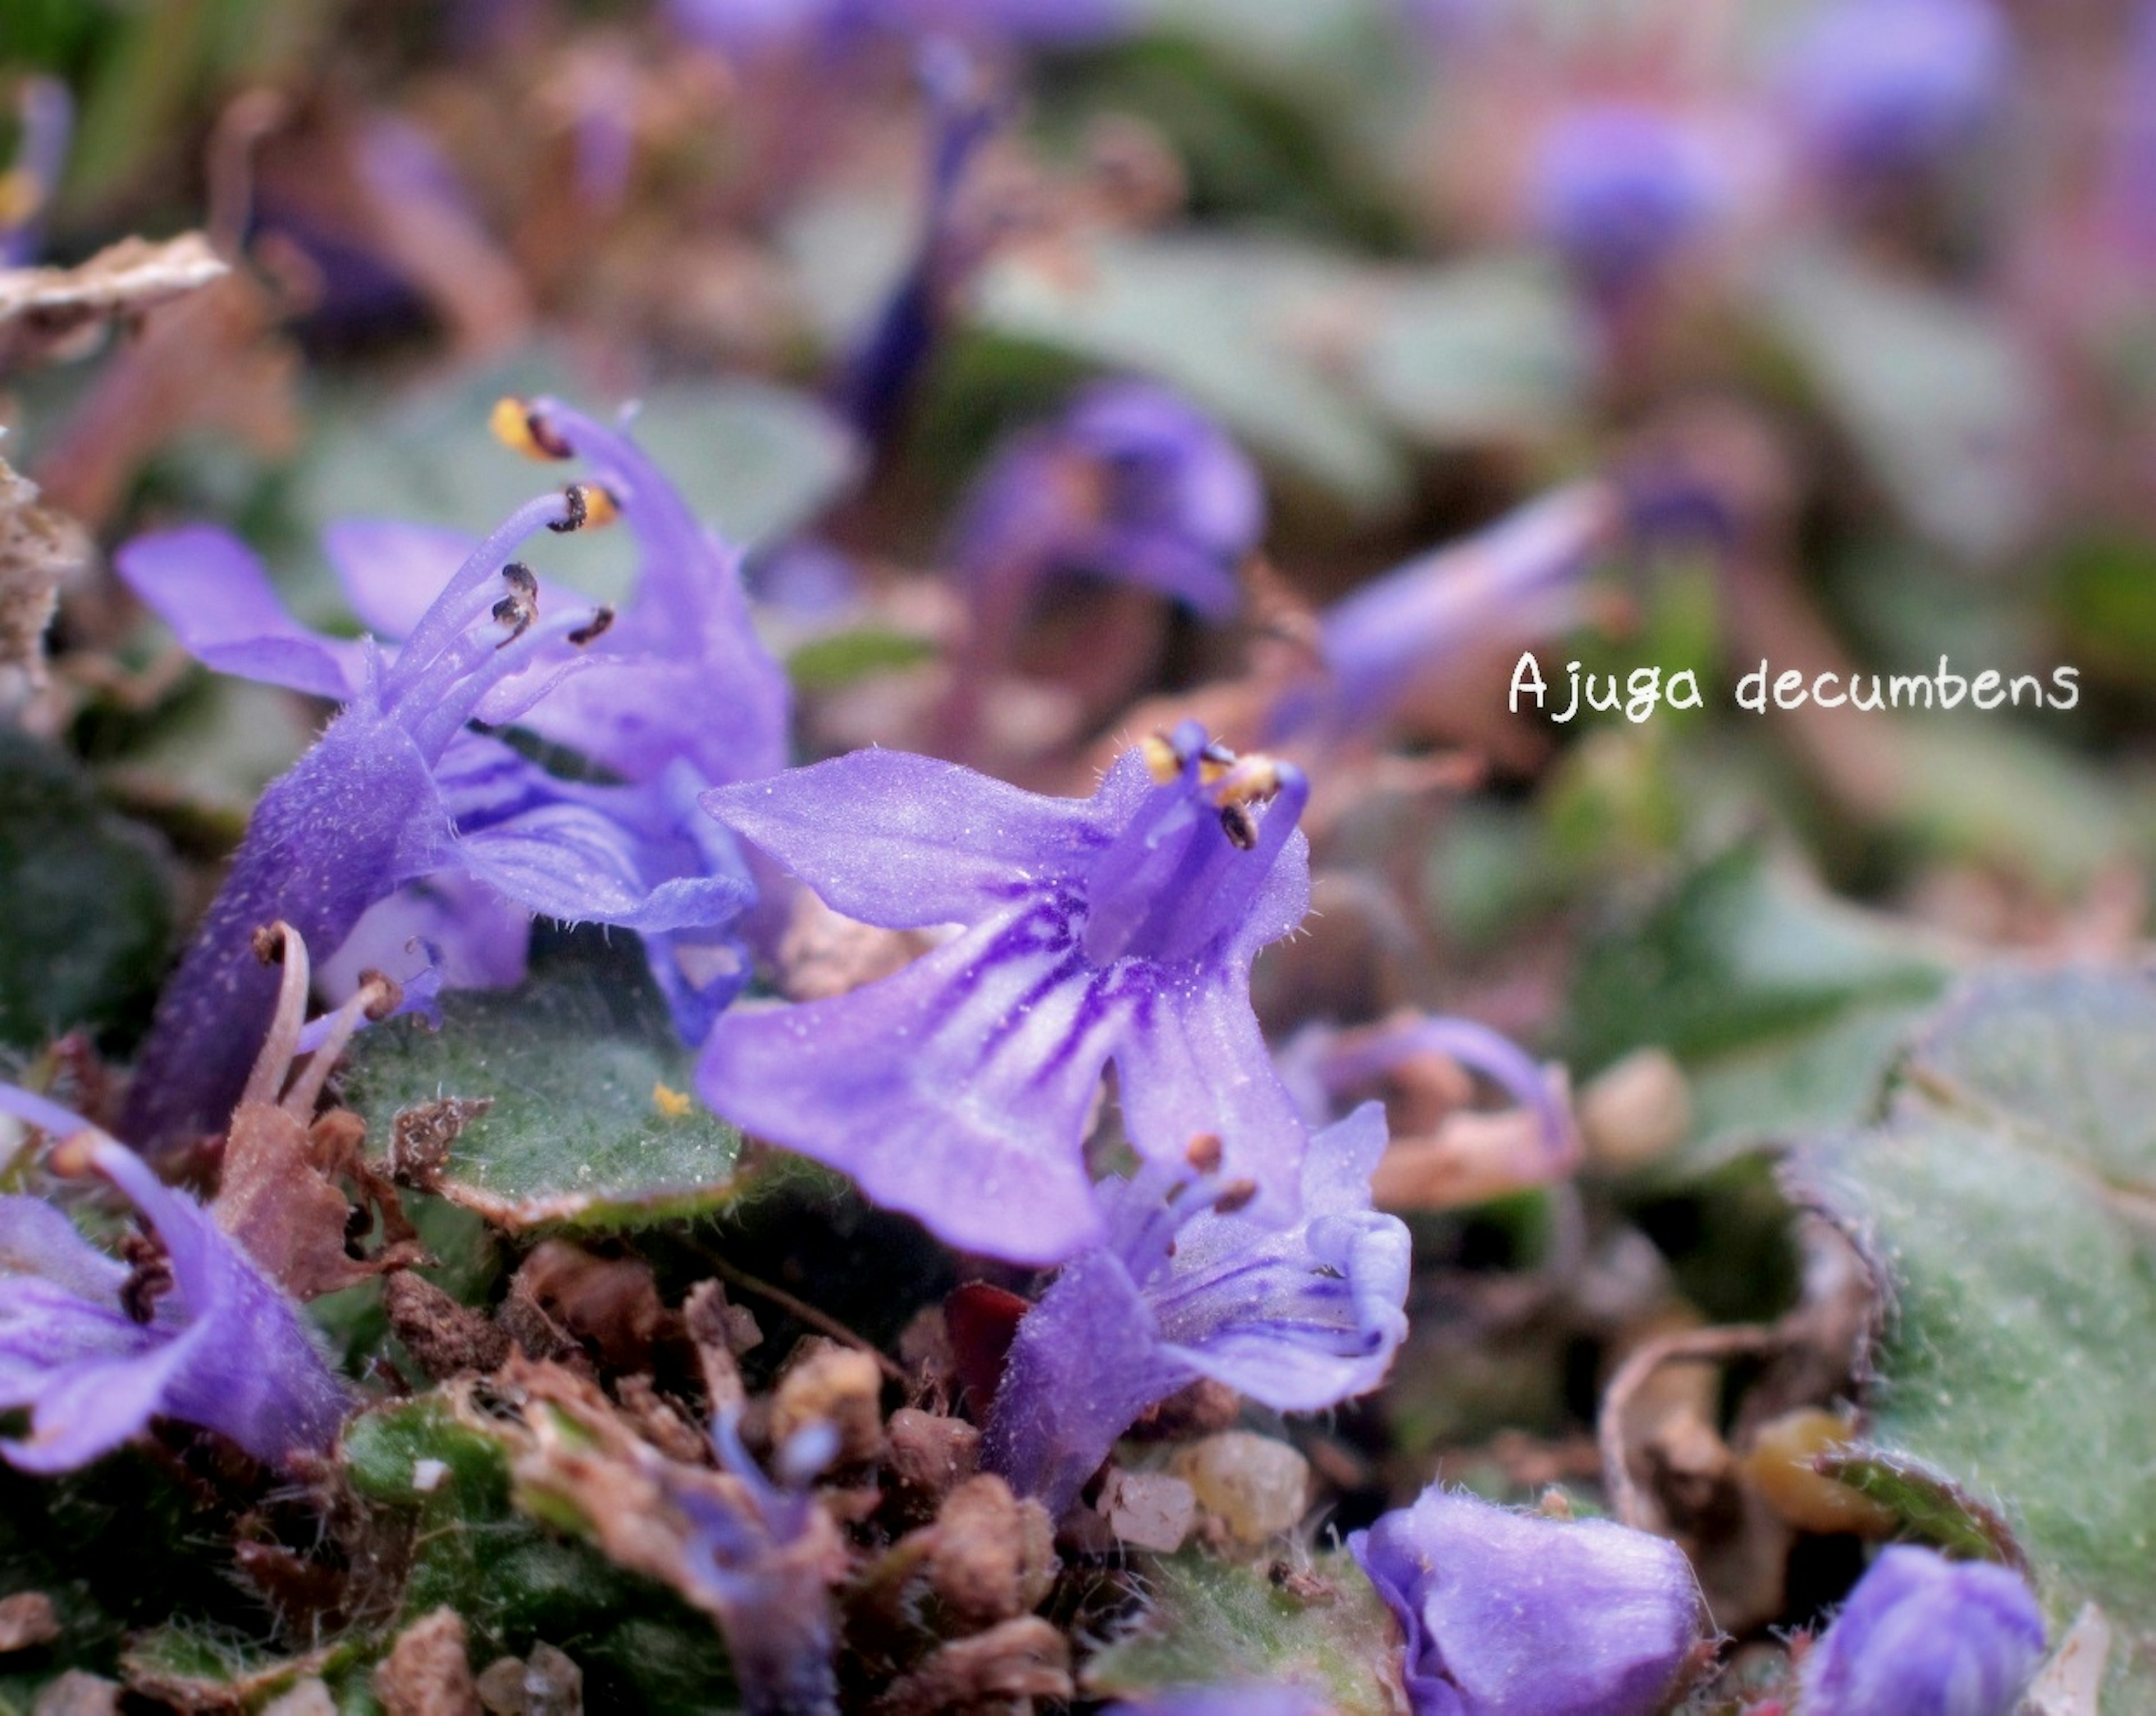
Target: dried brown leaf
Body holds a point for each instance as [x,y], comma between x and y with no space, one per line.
[48,314]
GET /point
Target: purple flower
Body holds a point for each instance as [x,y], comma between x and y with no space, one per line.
[1322,1063]
[1511,1614]
[1883,87]
[878,375]
[760,1558]
[1518,577]
[754,27]
[47,114]
[680,675]
[1132,483]
[1298,1319]
[1618,189]
[95,1349]
[1922,1636]
[1119,927]
[398,788]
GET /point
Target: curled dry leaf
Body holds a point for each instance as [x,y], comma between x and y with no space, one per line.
[427,1671]
[27,1619]
[48,314]
[40,551]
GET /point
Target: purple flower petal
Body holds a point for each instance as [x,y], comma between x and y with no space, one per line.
[392,571]
[208,585]
[1121,926]
[1922,1636]
[905,841]
[1511,1614]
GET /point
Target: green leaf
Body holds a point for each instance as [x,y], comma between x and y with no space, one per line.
[2004,1203]
[1230,321]
[1211,1623]
[514,1581]
[841,658]
[1784,1005]
[1931,388]
[1491,350]
[1743,948]
[582,1070]
[89,914]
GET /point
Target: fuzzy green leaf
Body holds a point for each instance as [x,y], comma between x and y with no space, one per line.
[585,1075]
[1211,1623]
[2004,1201]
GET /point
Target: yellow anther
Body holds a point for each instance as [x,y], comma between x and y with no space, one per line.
[673,1103]
[21,196]
[1253,780]
[74,1157]
[517,427]
[600,507]
[1161,760]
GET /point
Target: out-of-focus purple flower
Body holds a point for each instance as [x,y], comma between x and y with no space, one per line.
[95,1349]
[1517,578]
[1884,87]
[1922,1636]
[1619,189]
[1322,1064]
[398,788]
[1298,1319]
[749,28]
[878,374]
[47,115]
[1511,1614]
[1132,483]
[760,1559]
[1119,927]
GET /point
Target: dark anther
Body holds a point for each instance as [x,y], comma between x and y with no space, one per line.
[545,438]
[520,607]
[579,511]
[149,1279]
[1239,825]
[601,619]
[268,942]
[1236,1197]
[389,994]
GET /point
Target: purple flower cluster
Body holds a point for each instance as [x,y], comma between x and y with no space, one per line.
[96,1349]
[1922,1636]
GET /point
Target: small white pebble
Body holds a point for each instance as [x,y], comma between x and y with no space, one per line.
[427,1475]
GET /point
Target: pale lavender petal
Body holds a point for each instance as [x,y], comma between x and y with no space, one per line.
[392,571]
[450,921]
[1086,1361]
[1197,1066]
[91,1407]
[46,1326]
[957,1091]
[905,841]
[208,585]
[1922,1636]
[1511,1614]
[37,1240]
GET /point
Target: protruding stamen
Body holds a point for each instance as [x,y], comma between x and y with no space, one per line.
[518,608]
[374,999]
[523,430]
[590,505]
[597,626]
[282,1041]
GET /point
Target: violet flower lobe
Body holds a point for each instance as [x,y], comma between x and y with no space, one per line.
[1518,578]
[1619,190]
[1132,483]
[1299,1319]
[395,789]
[1511,1614]
[1922,1636]
[1883,87]
[1119,927]
[95,1349]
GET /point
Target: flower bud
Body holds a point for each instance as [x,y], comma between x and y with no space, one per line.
[1922,1636]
